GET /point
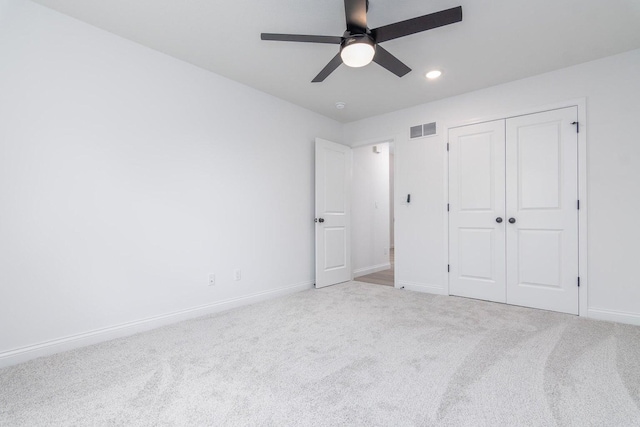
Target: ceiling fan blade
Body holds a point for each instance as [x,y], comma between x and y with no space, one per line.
[301,38]
[416,25]
[330,68]
[356,13]
[390,62]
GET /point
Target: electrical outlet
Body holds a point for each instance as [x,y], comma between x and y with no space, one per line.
[212,279]
[237,275]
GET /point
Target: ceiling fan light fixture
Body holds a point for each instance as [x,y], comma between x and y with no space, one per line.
[357,51]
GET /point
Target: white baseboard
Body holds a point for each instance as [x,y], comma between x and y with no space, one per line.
[422,287]
[372,269]
[23,354]
[614,316]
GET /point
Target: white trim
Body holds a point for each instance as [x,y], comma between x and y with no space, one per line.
[577,102]
[395,143]
[46,348]
[583,269]
[373,141]
[614,316]
[445,190]
[371,269]
[422,287]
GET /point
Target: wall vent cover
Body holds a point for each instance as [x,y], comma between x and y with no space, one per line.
[427,129]
[416,131]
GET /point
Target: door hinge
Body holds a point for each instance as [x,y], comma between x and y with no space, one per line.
[448,268]
[578,204]
[577,126]
[578,281]
[447,146]
[447,207]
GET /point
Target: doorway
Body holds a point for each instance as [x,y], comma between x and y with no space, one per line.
[373,214]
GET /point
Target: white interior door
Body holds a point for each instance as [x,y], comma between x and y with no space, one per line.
[476,211]
[333,218]
[542,225]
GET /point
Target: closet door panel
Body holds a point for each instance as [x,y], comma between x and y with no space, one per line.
[476,200]
[541,206]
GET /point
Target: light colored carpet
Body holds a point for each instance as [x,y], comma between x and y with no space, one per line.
[351,354]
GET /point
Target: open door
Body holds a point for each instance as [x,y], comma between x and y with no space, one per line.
[333,213]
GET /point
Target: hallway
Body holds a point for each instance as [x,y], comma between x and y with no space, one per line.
[384,277]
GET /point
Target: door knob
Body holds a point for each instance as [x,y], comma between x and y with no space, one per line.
[512,220]
[499,220]
[319,219]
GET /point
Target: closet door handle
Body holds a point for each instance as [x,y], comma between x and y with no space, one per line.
[512,220]
[499,220]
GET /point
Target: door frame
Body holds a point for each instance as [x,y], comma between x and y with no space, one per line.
[581,104]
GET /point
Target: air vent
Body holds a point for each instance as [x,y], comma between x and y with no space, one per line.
[416,131]
[427,129]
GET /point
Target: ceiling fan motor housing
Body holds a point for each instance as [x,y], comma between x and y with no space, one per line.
[357,38]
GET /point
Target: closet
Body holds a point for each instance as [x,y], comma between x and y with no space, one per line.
[513,210]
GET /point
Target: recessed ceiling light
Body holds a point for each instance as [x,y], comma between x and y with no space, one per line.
[340,105]
[434,74]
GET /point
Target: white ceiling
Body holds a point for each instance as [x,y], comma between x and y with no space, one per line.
[497,41]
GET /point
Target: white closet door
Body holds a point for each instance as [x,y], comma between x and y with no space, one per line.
[541,210]
[476,211]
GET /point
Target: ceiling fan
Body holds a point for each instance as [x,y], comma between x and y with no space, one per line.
[359,45]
